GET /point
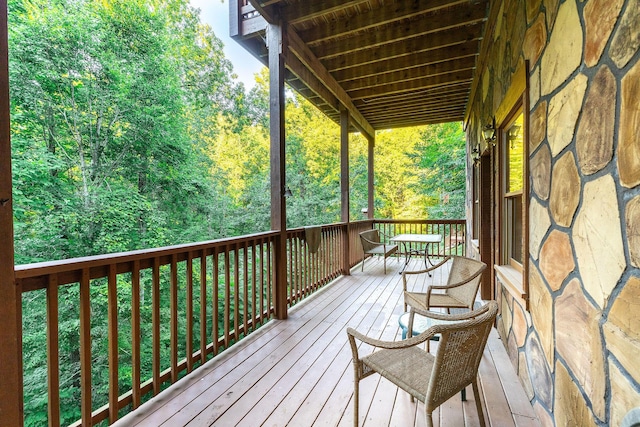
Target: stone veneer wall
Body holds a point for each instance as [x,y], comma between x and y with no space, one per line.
[577,351]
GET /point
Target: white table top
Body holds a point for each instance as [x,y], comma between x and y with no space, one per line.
[417,238]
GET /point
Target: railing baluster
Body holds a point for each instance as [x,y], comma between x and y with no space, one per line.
[189,332]
[300,270]
[85,348]
[227,296]
[53,354]
[215,286]
[270,285]
[155,325]
[291,269]
[173,323]
[236,292]
[112,296]
[262,281]
[135,334]
[245,289]
[203,306]
[254,253]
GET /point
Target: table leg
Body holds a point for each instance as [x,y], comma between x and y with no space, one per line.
[427,257]
[407,256]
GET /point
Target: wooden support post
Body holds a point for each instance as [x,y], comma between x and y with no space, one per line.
[344,185]
[10,298]
[370,176]
[276,41]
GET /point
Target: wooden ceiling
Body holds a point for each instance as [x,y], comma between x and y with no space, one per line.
[390,63]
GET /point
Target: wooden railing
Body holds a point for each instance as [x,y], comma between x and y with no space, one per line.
[234,287]
[308,271]
[203,298]
[452,232]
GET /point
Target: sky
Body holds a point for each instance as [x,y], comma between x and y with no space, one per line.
[216,14]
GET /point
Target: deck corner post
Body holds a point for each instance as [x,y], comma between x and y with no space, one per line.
[370,175]
[344,187]
[11,392]
[277,46]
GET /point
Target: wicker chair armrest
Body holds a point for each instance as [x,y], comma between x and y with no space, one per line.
[445,316]
[428,270]
[456,284]
[370,241]
[418,339]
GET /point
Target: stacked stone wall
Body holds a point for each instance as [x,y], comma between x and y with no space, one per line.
[577,349]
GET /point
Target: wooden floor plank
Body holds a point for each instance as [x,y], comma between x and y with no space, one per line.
[235,388]
[517,398]
[471,417]
[299,372]
[452,412]
[191,387]
[495,402]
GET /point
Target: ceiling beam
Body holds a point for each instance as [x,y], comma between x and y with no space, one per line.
[462,50]
[298,48]
[306,10]
[383,123]
[483,56]
[389,13]
[433,94]
[408,74]
[414,85]
[391,115]
[410,108]
[411,46]
[398,32]
[310,80]
[413,123]
[416,95]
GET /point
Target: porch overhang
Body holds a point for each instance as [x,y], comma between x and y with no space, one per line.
[390,64]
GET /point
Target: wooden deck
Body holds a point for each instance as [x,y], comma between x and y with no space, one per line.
[298,372]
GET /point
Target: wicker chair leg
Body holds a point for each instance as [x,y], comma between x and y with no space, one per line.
[356,400]
[429,419]
[476,396]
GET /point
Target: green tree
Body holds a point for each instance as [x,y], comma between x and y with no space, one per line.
[441,152]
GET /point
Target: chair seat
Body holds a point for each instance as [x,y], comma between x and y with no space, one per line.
[418,299]
[379,250]
[409,368]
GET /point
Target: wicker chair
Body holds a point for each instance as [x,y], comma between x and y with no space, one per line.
[430,379]
[459,292]
[371,245]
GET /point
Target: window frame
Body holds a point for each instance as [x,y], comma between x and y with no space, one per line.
[512,275]
[511,197]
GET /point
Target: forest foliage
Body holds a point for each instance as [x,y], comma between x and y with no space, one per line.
[130,131]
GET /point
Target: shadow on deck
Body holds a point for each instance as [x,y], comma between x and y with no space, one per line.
[298,372]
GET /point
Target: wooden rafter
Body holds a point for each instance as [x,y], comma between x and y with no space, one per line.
[300,49]
[388,63]
[389,14]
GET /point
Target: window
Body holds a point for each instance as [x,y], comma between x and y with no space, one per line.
[510,189]
[513,173]
[512,270]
